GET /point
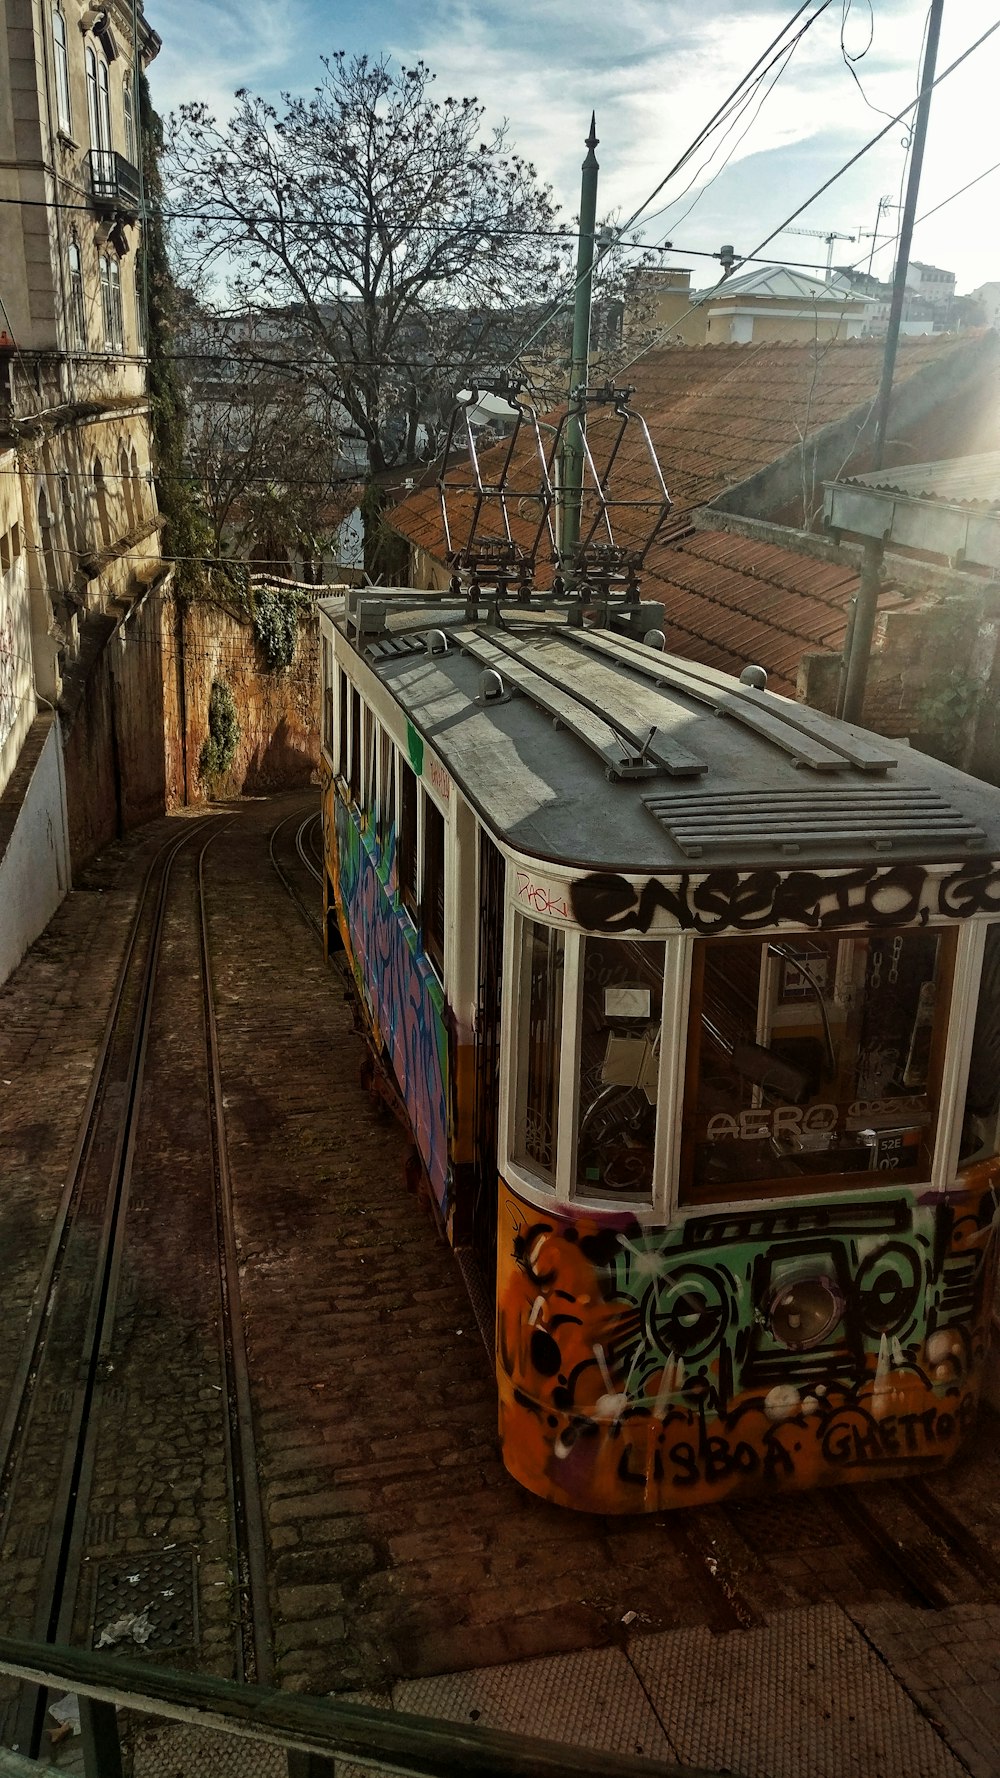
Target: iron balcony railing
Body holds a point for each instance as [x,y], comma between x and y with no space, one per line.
[114,182]
[312,1732]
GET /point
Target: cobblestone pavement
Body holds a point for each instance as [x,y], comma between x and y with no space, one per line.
[399,1551]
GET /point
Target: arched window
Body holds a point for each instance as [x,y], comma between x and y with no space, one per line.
[101,496]
[63,111]
[125,473]
[93,108]
[104,103]
[128,112]
[111,304]
[77,319]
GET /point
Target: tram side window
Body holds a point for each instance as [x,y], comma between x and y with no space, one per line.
[813,1057]
[369,759]
[344,707]
[387,794]
[540,1021]
[620,1027]
[355,773]
[327,696]
[432,888]
[981,1123]
[407,845]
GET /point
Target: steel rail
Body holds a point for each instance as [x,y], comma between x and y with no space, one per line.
[32,1343]
[309,918]
[247,1510]
[303,850]
[62,1560]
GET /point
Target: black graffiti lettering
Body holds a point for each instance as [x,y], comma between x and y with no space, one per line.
[684,1459]
[909,1424]
[727,899]
[603,903]
[888,1435]
[776,1458]
[975,889]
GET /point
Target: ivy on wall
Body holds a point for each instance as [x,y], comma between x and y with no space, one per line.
[274,612]
[219,748]
[186,535]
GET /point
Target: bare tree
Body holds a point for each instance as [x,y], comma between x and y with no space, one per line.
[262,448]
[407,244]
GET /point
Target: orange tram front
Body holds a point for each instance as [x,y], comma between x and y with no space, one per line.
[699,1041]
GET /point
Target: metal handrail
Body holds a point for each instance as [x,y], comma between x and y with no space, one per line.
[312,1731]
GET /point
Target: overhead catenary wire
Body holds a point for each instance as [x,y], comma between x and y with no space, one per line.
[692,149]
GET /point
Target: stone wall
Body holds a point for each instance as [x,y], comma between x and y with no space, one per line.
[278,712]
[934,679]
[112,712]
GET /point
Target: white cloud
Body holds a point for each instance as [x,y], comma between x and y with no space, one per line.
[654,70]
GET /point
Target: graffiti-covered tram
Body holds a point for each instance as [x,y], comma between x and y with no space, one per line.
[692,996]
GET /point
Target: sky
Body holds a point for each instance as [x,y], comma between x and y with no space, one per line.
[655,71]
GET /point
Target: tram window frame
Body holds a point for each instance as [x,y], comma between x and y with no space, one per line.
[631,1008]
[889,1126]
[328,699]
[978,1136]
[385,821]
[543,1175]
[407,860]
[354,778]
[433,881]
[343,737]
[369,756]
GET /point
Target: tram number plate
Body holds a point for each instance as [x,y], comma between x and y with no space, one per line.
[895,1148]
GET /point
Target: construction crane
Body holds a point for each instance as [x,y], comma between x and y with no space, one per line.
[821,234]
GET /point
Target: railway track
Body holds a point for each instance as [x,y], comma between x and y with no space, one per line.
[65,1495]
[301,871]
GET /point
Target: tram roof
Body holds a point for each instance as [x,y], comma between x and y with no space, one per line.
[604,752]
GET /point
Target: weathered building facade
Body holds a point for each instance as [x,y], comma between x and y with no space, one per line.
[80,566]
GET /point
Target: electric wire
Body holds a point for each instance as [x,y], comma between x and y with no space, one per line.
[689,152]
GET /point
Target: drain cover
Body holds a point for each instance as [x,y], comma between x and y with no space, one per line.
[148,1603]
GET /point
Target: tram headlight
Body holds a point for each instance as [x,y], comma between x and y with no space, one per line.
[803,1311]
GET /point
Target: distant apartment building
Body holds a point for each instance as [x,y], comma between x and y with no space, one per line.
[929,302]
[987,300]
[768,303]
[79,529]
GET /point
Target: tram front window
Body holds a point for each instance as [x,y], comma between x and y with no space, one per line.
[621,1009]
[540,1037]
[813,1056]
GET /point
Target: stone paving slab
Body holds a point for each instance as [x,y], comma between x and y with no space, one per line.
[803,1697]
[949,1661]
[590,1699]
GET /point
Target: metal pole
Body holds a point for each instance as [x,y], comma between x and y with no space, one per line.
[572,456]
[859,655]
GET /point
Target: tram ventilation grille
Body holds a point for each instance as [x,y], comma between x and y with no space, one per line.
[872,818]
[148,1603]
[389,648]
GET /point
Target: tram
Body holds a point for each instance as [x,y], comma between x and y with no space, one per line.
[692,997]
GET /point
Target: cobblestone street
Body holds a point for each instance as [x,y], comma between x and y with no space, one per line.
[399,1553]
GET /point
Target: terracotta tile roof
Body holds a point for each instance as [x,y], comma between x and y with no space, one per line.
[718,415]
[730,601]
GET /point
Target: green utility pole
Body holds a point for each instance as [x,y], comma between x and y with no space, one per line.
[858,648]
[572,453]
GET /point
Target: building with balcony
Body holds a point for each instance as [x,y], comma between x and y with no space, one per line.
[80,565]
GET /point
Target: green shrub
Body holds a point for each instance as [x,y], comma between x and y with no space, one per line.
[219,749]
[275,613]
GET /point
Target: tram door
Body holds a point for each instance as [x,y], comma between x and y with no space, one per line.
[492,883]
